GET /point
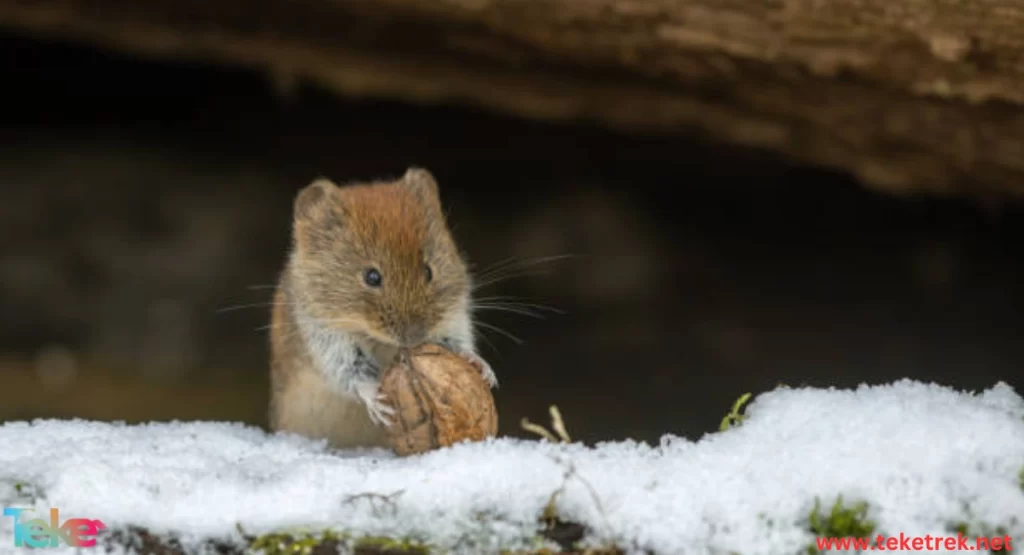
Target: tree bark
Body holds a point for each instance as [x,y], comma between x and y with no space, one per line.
[909,95]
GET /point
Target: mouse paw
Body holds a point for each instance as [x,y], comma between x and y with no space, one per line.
[380,412]
[485,369]
[479,363]
[376,404]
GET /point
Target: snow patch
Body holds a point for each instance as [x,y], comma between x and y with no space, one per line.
[921,455]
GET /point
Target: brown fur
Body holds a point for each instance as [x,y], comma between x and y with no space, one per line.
[301,400]
[397,227]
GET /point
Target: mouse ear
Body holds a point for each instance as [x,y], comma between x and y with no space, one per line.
[311,197]
[421,182]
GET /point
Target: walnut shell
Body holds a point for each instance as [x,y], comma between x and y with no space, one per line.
[439,399]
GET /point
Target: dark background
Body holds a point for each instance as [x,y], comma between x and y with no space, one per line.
[138,199]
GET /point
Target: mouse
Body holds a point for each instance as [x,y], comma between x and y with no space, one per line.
[373,269]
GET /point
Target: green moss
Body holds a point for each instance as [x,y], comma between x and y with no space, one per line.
[840,522]
[306,543]
[961,528]
[734,418]
[548,551]
[291,544]
[20,491]
[390,546]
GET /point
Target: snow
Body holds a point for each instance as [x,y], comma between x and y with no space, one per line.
[923,456]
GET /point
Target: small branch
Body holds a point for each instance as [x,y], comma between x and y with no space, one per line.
[550,513]
[557,424]
[537,429]
[387,499]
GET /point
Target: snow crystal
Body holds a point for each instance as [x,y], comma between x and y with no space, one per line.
[924,457]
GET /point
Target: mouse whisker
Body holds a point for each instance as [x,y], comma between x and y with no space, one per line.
[513,261]
[513,264]
[509,309]
[497,265]
[497,329]
[511,302]
[295,328]
[508,270]
[291,330]
[250,305]
[489,342]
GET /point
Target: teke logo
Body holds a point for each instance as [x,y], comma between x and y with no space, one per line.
[38,533]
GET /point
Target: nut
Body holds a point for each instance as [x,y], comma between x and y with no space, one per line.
[439,399]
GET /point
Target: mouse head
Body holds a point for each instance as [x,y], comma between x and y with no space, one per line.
[378,258]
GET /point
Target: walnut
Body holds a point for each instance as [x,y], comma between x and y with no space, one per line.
[439,399]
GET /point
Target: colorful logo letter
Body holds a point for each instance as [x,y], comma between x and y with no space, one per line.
[38,533]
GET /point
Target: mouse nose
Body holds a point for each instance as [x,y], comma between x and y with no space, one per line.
[413,334]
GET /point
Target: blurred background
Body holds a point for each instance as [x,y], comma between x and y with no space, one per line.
[143,201]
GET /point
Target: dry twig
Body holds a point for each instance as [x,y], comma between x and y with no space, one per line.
[557,424]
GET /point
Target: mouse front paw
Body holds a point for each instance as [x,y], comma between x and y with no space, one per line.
[485,369]
[476,360]
[376,404]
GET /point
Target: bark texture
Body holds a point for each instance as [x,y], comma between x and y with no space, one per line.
[909,95]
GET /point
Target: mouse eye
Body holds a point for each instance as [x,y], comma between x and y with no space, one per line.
[372,277]
[430,273]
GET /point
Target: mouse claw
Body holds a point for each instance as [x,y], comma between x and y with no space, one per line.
[376,404]
[479,363]
[380,413]
[383,406]
[483,367]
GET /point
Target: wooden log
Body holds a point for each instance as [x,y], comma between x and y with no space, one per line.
[908,95]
